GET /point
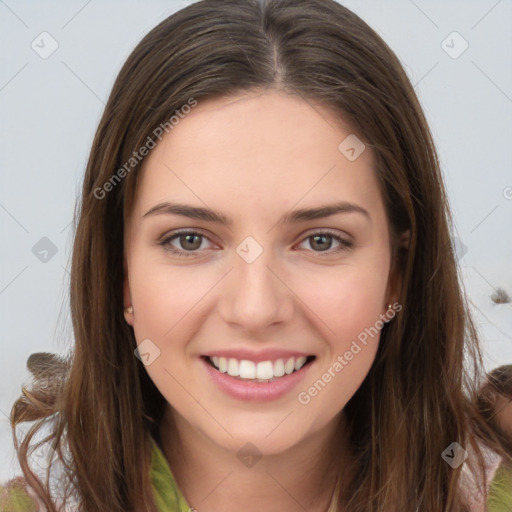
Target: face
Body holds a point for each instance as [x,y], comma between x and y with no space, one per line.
[504,414]
[257,289]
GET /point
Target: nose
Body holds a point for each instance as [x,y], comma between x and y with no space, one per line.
[255,296]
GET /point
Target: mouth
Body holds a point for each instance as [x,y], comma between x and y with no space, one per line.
[258,372]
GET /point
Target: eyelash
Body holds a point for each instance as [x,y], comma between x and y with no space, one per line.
[345,245]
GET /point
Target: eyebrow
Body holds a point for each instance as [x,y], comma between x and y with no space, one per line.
[293,217]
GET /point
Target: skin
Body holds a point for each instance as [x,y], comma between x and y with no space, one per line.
[254,158]
[504,414]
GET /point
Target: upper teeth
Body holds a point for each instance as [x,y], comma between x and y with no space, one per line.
[264,370]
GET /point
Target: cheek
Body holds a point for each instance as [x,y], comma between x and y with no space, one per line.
[163,296]
[336,382]
[348,305]
[346,301]
[165,302]
[505,416]
[351,324]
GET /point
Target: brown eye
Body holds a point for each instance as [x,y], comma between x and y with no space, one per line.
[183,243]
[190,241]
[323,242]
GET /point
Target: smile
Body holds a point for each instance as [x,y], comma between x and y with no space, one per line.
[263,371]
[264,380]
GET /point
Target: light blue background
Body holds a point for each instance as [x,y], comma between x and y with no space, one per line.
[49,110]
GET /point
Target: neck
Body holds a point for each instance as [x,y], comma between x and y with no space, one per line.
[212,478]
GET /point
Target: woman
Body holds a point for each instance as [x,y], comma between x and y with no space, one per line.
[494,402]
[307,353]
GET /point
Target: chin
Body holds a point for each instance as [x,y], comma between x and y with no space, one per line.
[273,436]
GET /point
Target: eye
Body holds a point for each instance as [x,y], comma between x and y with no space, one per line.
[190,242]
[321,242]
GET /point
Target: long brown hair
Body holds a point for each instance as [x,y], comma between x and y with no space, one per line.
[418,397]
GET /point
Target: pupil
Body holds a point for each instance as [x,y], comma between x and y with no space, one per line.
[321,237]
[186,237]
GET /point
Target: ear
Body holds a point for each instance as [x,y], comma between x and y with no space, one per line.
[395,275]
[127,300]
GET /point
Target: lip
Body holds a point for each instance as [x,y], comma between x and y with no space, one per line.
[255,391]
[263,355]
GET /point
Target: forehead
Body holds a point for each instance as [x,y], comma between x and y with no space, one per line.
[258,150]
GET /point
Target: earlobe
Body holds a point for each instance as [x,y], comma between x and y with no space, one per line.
[404,240]
[127,300]
[395,278]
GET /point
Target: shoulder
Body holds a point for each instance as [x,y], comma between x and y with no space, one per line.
[500,489]
[168,496]
[493,495]
[15,496]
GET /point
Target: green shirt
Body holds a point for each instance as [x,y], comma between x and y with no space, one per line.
[500,491]
[170,499]
[167,495]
